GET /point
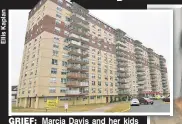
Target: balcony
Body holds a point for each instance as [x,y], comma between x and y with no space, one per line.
[153,77]
[78,45]
[79,18]
[153,73]
[139,49]
[122,65]
[76,93]
[74,68]
[123,92]
[74,60]
[84,69]
[141,78]
[164,79]
[122,59]
[77,76]
[84,62]
[138,53]
[139,65]
[152,70]
[118,43]
[140,70]
[75,52]
[124,86]
[77,84]
[140,87]
[78,38]
[139,60]
[151,59]
[141,82]
[123,75]
[122,70]
[123,81]
[139,57]
[80,25]
[154,83]
[140,74]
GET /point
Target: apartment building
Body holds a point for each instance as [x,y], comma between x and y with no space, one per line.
[73,56]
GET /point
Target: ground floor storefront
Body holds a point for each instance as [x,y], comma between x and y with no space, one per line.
[41,102]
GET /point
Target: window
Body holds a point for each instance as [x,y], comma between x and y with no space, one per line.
[57,29]
[99,90]
[60,1]
[58,22]
[64,72]
[99,83]
[54,62]
[68,19]
[93,76]
[65,48]
[93,68]
[52,90]
[56,38]
[32,63]
[93,82]
[63,80]
[63,90]
[53,70]
[53,80]
[64,63]
[59,8]
[93,90]
[65,55]
[106,83]
[58,15]
[55,53]
[55,45]
[66,33]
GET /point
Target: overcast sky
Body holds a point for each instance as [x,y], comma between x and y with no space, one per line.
[152,28]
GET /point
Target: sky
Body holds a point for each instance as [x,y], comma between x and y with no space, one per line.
[153,28]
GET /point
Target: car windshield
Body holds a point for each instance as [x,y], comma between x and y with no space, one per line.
[134,99]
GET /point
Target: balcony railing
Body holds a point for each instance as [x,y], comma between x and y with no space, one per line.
[76,93]
[123,86]
[123,92]
[72,67]
[77,84]
[78,38]
[123,81]
[140,70]
[141,82]
[77,76]
[141,78]
[78,45]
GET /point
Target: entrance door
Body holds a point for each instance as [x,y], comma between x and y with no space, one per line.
[107,99]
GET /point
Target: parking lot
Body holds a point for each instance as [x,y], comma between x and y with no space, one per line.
[158,106]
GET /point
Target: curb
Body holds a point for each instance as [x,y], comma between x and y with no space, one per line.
[126,109]
[166,102]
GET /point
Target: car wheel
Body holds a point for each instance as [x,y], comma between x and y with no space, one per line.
[152,103]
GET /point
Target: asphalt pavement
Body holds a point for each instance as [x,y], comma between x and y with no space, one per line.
[158,106]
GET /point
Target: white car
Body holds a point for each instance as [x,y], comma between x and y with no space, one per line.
[135,102]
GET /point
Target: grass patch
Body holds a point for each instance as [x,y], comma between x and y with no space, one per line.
[75,108]
[119,107]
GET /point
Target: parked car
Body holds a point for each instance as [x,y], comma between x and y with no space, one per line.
[134,101]
[145,101]
[167,99]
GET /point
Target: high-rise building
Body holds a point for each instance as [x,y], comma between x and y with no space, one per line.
[73,56]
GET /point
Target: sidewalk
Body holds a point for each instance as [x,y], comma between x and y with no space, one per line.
[103,109]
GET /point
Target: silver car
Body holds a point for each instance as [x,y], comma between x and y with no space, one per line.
[134,102]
